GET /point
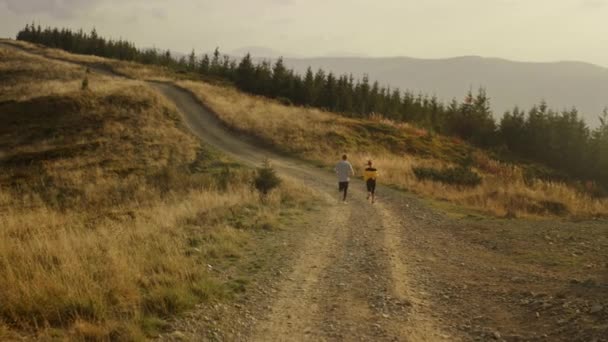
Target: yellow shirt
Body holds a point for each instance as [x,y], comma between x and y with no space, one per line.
[370,173]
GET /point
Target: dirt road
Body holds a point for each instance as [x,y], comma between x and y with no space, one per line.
[400,270]
[350,280]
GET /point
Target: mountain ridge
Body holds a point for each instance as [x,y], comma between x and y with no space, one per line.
[562,84]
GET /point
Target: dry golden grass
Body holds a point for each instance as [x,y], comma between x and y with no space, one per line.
[130,69]
[294,129]
[109,211]
[395,148]
[501,194]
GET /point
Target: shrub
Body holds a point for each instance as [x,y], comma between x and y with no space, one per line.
[85,84]
[461,176]
[534,173]
[266,178]
[284,101]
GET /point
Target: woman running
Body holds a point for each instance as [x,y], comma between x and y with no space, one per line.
[370,175]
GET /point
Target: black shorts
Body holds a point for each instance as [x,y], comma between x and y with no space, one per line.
[371,185]
[342,186]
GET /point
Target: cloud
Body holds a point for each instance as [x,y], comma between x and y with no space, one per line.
[70,8]
[593,4]
[56,8]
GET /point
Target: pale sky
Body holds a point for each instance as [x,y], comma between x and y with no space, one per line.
[524,30]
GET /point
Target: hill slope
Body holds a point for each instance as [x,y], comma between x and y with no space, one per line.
[108,206]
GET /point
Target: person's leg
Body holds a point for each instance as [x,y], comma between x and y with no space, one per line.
[368,185]
[373,191]
[345,191]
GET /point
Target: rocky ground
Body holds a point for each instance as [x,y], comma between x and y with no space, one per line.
[400,271]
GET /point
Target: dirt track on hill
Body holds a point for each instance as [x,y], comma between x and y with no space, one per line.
[399,270]
[350,280]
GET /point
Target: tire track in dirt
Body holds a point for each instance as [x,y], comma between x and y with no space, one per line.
[352,282]
[421,326]
[297,306]
[363,290]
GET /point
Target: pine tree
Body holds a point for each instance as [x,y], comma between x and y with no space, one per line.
[362,95]
[263,72]
[227,68]
[329,93]
[598,158]
[309,88]
[192,61]
[182,64]
[279,78]
[319,82]
[512,130]
[245,74]
[203,67]
[215,68]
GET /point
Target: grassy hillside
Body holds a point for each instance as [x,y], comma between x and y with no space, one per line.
[506,189]
[110,211]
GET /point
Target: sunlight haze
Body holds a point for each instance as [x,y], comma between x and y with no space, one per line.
[536,30]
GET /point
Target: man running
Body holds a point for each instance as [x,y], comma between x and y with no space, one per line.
[370,176]
[344,170]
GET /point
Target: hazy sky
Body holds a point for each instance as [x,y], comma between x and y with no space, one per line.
[527,30]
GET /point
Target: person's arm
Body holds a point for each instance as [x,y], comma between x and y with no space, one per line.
[352,172]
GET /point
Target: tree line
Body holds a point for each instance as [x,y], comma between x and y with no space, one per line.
[561,140]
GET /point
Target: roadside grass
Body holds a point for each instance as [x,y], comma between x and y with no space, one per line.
[396,148]
[110,212]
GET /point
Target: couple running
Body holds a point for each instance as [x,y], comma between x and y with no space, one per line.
[344,170]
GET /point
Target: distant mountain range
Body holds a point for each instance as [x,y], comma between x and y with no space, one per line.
[264,52]
[562,85]
[260,51]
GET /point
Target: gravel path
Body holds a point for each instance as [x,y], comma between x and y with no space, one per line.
[350,279]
